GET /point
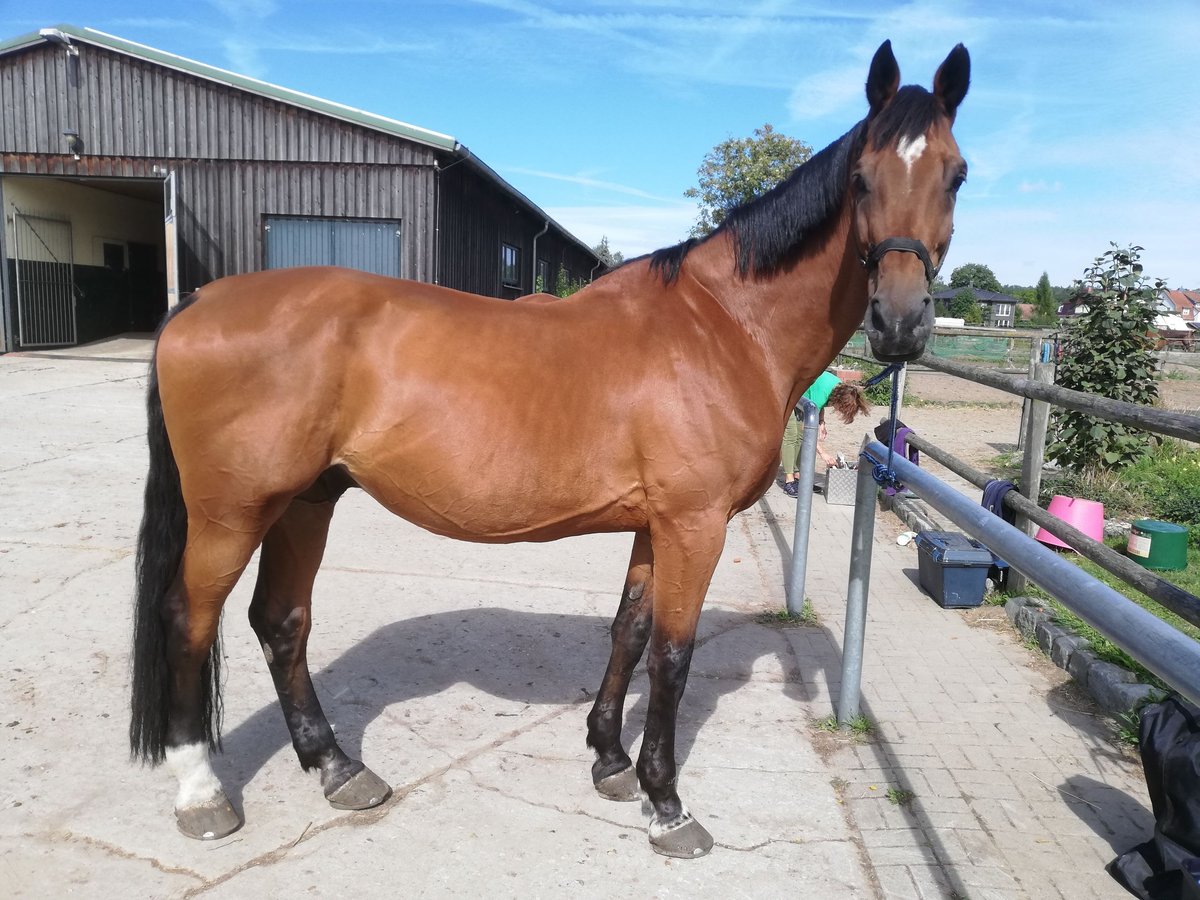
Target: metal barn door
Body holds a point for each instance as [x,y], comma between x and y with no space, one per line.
[372,245]
[45,281]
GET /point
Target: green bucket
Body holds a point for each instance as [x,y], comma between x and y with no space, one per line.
[1158,545]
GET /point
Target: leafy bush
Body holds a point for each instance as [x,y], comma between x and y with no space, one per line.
[1108,352]
[1169,479]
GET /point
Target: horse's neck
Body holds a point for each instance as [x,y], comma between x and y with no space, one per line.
[800,317]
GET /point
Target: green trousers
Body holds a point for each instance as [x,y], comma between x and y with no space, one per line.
[793,437]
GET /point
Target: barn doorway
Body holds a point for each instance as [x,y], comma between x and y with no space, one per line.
[85,258]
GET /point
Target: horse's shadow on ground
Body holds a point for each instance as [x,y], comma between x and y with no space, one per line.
[522,657]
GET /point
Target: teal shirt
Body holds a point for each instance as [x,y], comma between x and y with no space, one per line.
[820,390]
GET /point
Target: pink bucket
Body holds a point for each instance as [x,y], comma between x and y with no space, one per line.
[1086,515]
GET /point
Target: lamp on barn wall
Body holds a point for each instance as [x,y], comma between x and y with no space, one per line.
[74,142]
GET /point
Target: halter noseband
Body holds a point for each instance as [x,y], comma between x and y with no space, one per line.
[903,245]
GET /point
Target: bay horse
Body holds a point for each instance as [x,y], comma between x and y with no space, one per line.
[653,401]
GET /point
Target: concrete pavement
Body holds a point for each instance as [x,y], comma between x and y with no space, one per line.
[463,674]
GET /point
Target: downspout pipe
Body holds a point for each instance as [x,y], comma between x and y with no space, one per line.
[533,262]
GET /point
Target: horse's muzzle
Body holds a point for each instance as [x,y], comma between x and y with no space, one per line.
[899,337]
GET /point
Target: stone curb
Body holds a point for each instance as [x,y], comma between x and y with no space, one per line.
[1116,690]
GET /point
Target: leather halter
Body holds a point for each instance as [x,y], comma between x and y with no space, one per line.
[903,245]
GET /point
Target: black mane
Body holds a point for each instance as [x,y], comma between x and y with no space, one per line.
[767,229]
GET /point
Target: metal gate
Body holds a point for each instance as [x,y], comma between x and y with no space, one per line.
[45,281]
[372,245]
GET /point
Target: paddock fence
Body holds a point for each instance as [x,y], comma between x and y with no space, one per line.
[1161,648]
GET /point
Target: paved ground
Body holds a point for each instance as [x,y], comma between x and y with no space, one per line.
[462,674]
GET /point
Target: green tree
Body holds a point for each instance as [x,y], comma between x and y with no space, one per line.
[1108,352]
[963,305]
[611,258]
[565,285]
[1045,306]
[975,275]
[740,169]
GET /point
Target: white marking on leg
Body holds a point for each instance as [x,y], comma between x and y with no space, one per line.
[658,828]
[198,784]
[910,151]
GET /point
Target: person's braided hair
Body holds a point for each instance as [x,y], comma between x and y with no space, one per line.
[848,401]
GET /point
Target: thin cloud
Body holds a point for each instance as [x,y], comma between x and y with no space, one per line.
[1040,187]
[633,230]
[589,182]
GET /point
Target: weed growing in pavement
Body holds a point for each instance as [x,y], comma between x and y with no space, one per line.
[781,618]
[1129,728]
[900,796]
[860,726]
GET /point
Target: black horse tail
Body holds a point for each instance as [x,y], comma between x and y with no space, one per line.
[161,541]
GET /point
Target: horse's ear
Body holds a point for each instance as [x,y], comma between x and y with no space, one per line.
[952,79]
[884,78]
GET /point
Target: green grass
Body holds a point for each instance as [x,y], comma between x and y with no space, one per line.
[900,796]
[1188,580]
[860,726]
[1129,728]
[781,618]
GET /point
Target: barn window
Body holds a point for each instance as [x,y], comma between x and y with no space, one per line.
[543,276]
[510,265]
[370,245]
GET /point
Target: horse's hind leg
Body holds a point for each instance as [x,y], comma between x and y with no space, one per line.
[613,772]
[281,617]
[214,558]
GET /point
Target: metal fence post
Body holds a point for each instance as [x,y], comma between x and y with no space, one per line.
[804,501]
[856,593]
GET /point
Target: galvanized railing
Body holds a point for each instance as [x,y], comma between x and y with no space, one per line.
[1171,655]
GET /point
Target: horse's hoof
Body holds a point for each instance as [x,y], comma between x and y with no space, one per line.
[208,821]
[622,787]
[361,790]
[686,839]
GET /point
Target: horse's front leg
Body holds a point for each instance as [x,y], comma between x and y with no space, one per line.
[281,615]
[613,772]
[685,555]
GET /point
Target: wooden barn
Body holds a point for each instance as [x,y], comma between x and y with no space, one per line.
[130,176]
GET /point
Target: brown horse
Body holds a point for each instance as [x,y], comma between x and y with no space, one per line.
[653,401]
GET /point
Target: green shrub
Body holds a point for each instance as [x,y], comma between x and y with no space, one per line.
[1109,352]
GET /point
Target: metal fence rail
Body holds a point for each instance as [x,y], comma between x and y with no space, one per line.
[1171,655]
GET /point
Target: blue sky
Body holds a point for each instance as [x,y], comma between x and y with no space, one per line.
[1081,126]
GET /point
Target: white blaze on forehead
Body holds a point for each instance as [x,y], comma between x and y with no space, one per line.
[910,151]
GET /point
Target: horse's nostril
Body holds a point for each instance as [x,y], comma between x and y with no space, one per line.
[928,300]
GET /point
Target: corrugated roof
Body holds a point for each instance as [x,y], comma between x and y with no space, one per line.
[242,82]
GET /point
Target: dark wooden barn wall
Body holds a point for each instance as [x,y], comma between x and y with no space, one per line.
[476,219]
[222,205]
[128,107]
[238,156]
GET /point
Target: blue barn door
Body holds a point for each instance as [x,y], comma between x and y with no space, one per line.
[371,245]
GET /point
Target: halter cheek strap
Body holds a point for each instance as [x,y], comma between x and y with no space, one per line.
[903,245]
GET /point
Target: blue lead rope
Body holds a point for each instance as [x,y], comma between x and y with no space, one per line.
[883,474]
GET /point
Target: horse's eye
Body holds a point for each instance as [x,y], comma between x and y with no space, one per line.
[959,180]
[859,183]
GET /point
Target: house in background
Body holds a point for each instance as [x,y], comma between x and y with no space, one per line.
[998,309]
[130,176]
[1181,303]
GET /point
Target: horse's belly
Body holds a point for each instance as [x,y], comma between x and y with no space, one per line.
[500,507]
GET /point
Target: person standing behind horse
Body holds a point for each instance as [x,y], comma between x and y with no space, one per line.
[847,400]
